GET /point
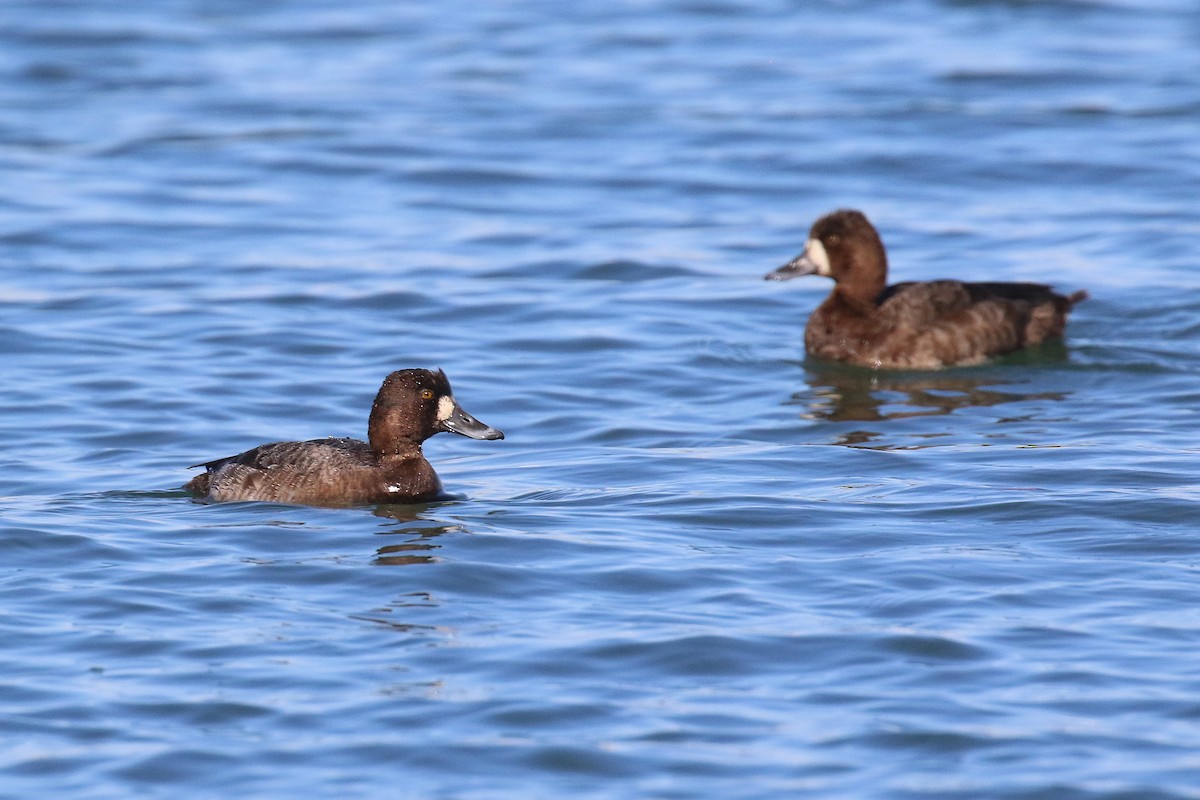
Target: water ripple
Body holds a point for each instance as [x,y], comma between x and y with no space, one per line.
[700,564]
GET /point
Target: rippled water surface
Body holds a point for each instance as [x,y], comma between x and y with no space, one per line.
[699,565]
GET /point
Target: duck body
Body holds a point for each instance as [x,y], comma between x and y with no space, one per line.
[318,472]
[913,325]
[411,406]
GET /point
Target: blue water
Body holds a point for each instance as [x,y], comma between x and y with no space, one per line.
[699,566]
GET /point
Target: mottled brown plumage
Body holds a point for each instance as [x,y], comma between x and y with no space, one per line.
[913,325]
[411,406]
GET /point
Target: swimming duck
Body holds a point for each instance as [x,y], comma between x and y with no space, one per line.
[412,405]
[913,325]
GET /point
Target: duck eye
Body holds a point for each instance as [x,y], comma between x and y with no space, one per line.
[833,238]
[426,394]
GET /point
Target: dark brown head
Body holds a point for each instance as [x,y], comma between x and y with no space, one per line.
[414,404]
[845,246]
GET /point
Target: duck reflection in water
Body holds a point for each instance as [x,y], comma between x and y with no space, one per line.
[839,393]
[416,534]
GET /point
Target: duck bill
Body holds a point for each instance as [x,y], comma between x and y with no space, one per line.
[799,266]
[813,261]
[460,422]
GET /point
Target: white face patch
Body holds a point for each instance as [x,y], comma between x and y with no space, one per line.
[445,408]
[817,255]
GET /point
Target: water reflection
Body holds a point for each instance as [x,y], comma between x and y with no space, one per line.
[417,533]
[840,393]
[413,543]
[400,604]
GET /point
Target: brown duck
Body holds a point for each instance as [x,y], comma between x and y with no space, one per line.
[412,405]
[913,325]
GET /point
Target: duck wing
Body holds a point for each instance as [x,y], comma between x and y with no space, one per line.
[920,304]
[317,471]
[943,323]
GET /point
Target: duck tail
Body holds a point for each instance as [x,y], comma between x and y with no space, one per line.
[1077,297]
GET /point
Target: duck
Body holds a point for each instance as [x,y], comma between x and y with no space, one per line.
[913,325]
[411,406]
